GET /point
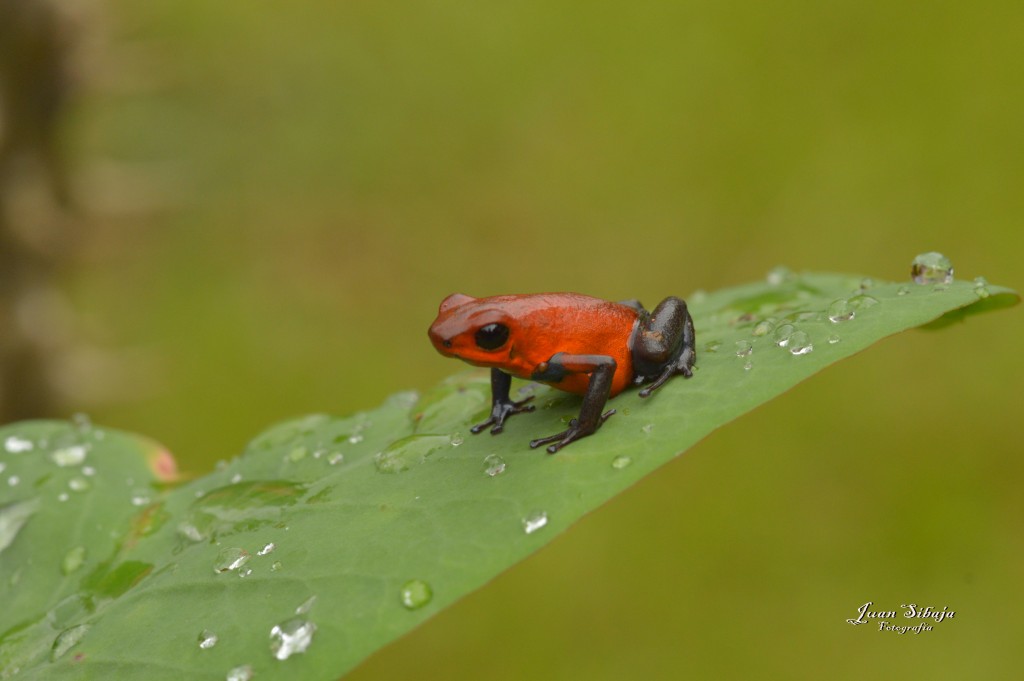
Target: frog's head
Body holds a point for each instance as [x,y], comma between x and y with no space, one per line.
[474,330]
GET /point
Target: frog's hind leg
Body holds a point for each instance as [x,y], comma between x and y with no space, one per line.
[665,345]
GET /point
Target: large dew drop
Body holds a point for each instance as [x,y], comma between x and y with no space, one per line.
[840,311]
[931,268]
[291,637]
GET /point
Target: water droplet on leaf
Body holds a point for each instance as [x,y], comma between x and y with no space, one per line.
[415,594]
[494,465]
[69,456]
[73,560]
[902,291]
[620,462]
[230,559]
[779,275]
[744,348]
[267,548]
[410,451]
[800,343]
[17,445]
[862,301]
[535,521]
[13,517]
[336,458]
[77,484]
[306,606]
[207,639]
[763,327]
[931,268]
[833,339]
[782,334]
[240,673]
[291,637]
[66,640]
[840,311]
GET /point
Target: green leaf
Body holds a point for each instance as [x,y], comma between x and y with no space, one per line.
[330,537]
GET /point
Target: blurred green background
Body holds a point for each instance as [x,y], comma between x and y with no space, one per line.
[280,194]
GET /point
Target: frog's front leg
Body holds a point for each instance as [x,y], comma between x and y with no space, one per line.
[664,345]
[601,369]
[501,406]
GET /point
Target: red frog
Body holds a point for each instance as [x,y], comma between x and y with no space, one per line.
[576,343]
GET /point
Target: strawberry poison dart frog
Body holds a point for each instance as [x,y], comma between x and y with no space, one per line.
[576,343]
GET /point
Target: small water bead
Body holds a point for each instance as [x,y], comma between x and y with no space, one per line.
[17,445]
[355,439]
[712,346]
[240,673]
[415,594]
[833,339]
[336,458]
[535,521]
[763,327]
[981,287]
[297,454]
[840,311]
[800,343]
[245,573]
[230,559]
[866,283]
[862,301]
[66,640]
[82,422]
[931,268]
[782,334]
[73,560]
[620,462]
[744,348]
[236,478]
[267,548]
[13,481]
[69,456]
[648,428]
[291,637]
[748,365]
[305,606]
[140,500]
[88,471]
[779,275]
[63,496]
[276,566]
[902,291]
[456,439]
[494,465]
[207,639]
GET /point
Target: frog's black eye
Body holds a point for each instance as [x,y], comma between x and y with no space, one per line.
[492,336]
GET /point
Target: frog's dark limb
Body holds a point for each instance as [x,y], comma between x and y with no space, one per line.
[664,345]
[501,406]
[601,369]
